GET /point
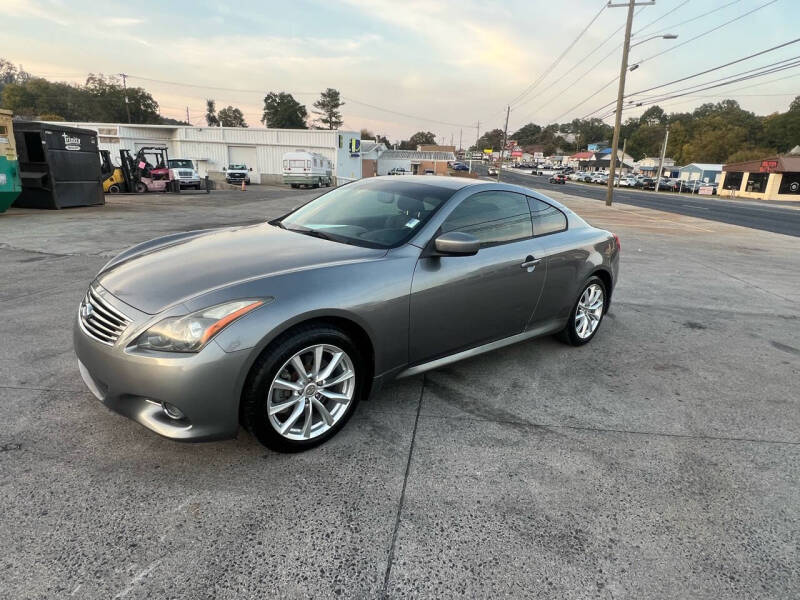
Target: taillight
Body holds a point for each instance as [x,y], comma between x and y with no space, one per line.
[616,239]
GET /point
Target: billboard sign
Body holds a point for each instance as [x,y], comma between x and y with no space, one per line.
[768,166]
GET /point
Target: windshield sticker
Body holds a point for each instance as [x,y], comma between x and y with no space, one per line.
[412,223]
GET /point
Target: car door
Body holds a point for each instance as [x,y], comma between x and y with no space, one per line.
[458,302]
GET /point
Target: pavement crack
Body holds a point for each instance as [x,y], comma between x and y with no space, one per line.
[390,559]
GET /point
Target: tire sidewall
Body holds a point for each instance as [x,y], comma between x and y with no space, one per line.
[255,398]
[572,334]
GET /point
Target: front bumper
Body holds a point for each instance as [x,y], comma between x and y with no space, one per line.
[205,386]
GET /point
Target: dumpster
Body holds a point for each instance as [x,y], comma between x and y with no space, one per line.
[59,166]
[10,185]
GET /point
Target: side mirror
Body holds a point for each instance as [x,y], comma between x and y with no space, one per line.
[251,168]
[224,169]
[457,243]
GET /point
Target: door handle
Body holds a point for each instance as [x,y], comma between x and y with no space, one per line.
[530,262]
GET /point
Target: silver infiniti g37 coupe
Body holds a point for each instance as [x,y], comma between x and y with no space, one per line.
[284,326]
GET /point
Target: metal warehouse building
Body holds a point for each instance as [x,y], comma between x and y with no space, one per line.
[212,148]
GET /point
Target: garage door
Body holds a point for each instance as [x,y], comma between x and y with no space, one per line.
[245,155]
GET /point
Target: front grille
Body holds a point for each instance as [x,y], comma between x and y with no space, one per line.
[185,174]
[100,320]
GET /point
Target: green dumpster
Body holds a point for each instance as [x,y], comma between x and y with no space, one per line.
[10,184]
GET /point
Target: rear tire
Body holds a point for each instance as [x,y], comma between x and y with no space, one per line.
[587,313]
[274,372]
[114,189]
[141,188]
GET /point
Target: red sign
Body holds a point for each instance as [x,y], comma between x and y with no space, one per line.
[516,153]
[768,166]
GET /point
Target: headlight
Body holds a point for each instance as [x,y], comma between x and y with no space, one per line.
[189,333]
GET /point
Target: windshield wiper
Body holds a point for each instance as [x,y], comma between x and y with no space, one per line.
[312,232]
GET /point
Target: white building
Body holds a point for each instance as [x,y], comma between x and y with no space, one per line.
[212,148]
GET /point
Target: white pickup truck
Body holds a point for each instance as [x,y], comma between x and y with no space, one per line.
[237,173]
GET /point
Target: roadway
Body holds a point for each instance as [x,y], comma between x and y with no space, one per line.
[753,214]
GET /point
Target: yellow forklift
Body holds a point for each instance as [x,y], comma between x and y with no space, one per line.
[113,178]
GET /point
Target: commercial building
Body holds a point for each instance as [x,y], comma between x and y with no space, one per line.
[212,148]
[415,161]
[774,178]
[370,152]
[705,172]
[649,166]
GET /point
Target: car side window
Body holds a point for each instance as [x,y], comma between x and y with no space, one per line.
[546,218]
[493,217]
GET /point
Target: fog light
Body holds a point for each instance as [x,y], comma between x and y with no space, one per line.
[172,411]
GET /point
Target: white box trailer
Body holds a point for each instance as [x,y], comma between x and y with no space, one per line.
[306,168]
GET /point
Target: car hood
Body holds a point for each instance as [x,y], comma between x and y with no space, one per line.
[173,269]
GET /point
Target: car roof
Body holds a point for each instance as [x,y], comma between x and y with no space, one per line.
[453,183]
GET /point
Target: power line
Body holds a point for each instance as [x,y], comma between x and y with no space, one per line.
[717,68]
[705,33]
[666,14]
[555,63]
[353,100]
[669,50]
[695,18]
[573,67]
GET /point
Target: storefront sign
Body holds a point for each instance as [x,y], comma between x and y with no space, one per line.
[768,166]
[487,151]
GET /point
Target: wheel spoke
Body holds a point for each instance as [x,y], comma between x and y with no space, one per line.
[299,367]
[343,377]
[276,408]
[309,420]
[335,396]
[317,361]
[326,416]
[331,365]
[287,424]
[282,384]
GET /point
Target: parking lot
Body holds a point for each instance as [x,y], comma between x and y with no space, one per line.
[659,461]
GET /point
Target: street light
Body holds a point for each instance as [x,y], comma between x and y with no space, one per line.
[621,92]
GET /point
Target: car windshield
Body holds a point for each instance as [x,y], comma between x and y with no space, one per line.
[180,163]
[237,167]
[374,213]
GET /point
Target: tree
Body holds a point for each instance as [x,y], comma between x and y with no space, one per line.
[421,138]
[328,107]
[795,105]
[366,134]
[231,117]
[211,113]
[10,73]
[527,134]
[108,97]
[490,139]
[282,111]
[654,115]
[750,154]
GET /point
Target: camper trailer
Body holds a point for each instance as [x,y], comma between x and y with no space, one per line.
[306,168]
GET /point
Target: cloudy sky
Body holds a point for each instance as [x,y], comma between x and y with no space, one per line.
[407,65]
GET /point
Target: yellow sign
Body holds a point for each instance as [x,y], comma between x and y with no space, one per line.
[487,150]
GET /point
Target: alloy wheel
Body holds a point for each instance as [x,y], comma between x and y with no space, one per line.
[311,392]
[589,311]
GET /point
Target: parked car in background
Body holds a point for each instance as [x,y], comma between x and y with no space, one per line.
[648,183]
[184,171]
[285,326]
[599,178]
[236,173]
[492,171]
[399,171]
[460,167]
[559,178]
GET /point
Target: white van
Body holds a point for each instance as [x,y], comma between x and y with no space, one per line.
[306,168]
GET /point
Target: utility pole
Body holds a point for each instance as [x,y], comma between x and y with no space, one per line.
[623,69]
[460,134]
[125,91]
[622,160]
[187,116]
[503,147]
[661,162]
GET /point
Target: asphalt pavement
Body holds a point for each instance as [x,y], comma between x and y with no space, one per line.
[745,213]
[660,461]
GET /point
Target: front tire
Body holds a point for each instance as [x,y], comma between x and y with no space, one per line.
[586,315]
[304,388]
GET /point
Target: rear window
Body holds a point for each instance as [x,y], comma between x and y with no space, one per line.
[298,164]
[546,219]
